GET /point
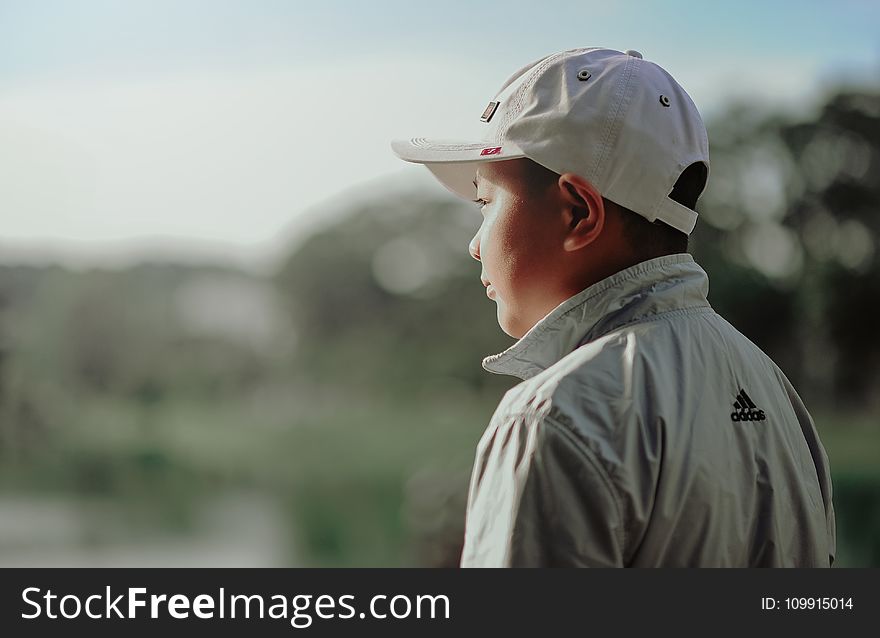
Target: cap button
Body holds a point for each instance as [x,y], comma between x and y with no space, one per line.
[634,53]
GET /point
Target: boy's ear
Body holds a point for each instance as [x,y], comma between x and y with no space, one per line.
[584,211]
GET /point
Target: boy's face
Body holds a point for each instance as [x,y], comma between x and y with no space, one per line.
[518,245]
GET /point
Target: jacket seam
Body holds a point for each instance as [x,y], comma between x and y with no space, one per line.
[650,318]
[590,338]
[591,458]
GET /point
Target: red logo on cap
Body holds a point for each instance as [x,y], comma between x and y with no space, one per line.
[491,151]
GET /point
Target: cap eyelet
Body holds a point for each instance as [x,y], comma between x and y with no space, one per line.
[584,75]
[664,100]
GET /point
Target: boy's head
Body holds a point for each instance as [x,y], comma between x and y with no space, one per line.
[592,161]
[544,237]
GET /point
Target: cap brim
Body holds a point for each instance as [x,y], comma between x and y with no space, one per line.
[454,163]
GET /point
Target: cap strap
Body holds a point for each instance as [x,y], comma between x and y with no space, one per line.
[677,216]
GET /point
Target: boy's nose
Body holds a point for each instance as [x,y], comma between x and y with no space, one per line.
[474,247]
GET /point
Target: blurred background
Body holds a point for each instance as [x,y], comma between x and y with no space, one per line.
[236,330]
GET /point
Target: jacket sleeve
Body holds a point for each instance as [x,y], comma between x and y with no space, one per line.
[820,462]
[540,498]
[568,514]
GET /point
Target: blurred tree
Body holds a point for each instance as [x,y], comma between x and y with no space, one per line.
[789,235]
[390,299]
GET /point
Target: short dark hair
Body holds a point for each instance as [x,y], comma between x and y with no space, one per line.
[648,239]
[655,239]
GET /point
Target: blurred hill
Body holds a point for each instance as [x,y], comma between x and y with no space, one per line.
[337,403]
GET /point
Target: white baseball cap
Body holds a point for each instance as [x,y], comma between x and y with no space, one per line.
[619,121]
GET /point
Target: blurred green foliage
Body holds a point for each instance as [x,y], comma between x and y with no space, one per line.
[340,400]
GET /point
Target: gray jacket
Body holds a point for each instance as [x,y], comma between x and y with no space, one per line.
[647,432]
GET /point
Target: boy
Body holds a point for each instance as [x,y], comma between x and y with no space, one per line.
[646,431]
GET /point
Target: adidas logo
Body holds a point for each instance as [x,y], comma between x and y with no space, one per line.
[745,410]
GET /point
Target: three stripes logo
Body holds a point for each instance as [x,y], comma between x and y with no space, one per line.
[744,409]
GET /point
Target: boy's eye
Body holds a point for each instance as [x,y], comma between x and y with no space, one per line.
[480,202]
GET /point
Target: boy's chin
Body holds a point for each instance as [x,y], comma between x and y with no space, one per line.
[511,325]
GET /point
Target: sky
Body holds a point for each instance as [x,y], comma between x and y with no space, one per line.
[223,130]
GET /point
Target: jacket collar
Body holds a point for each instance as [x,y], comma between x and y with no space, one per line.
[671,282]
